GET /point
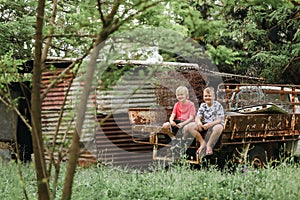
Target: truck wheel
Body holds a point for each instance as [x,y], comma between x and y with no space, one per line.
[257,157]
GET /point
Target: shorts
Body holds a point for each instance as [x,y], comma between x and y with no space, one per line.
[175,129]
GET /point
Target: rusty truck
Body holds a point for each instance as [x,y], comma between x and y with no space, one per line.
[262,121]
[262,124]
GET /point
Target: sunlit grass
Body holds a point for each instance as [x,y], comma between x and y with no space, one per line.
[178,182]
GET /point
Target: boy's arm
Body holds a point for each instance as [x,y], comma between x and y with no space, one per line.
[198,122]
[171,119]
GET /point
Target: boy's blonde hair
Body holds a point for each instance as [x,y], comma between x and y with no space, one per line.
[184,90]
[209,90]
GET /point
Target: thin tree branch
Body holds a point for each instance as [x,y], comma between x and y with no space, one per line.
[52,160]
[70,35]
[112,14]
[288,64]
[52,25]
[10,105]
[99,6]
[131,16]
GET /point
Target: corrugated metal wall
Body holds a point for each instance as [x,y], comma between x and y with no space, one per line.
[58,105]
[115,145]
[111,141]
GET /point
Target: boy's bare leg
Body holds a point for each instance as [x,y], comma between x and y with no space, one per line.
[216,132]
[192,129]
[167,125]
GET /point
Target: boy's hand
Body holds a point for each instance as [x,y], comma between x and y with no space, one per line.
[199,126]
[206,126]
[172,123]
[179,125]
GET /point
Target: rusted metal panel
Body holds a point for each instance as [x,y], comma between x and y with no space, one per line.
[146,123]
[148,116]
[260,127]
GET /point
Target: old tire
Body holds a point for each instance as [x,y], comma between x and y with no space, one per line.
[257,156]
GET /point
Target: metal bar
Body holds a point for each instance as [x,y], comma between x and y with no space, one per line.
[256,142]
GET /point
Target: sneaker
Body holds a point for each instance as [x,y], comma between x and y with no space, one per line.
[175,144]
[184,143]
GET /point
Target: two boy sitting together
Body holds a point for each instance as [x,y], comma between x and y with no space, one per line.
[209,118]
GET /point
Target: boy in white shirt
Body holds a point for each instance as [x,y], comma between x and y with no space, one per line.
[210,119]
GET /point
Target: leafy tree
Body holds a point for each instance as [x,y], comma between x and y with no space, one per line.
[262,35]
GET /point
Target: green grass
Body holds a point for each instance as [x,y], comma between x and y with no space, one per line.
[282,182]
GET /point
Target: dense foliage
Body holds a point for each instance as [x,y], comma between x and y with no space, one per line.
[267,37]
[16,28]
[256,38]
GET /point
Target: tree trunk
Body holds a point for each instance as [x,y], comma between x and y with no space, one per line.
[37,141]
